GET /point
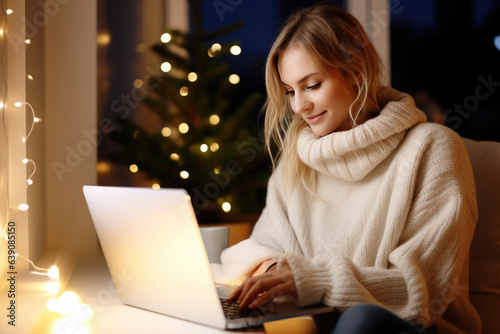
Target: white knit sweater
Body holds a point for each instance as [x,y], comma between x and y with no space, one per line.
[393,229]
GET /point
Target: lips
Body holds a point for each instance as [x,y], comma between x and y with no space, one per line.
[315,118]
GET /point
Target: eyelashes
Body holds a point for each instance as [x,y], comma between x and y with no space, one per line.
[313,87]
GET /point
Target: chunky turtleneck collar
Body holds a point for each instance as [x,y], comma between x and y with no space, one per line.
[352,154]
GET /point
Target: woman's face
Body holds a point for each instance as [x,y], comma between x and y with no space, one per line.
[321,99]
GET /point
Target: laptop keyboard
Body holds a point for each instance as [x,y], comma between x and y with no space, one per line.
[232,310]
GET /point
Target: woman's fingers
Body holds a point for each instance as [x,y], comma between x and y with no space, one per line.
[256,291]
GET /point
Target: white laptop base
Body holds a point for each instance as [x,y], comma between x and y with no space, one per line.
[152,237]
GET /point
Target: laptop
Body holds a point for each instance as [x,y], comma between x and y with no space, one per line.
[152,237]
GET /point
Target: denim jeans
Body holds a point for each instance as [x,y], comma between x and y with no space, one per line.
[367,319]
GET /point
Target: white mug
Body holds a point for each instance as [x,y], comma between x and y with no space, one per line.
[215,239]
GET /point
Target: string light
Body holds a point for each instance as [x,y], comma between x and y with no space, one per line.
[134,168]
[166,37]
[155,186]
[184,91]
[234,79]
[166,67]
[34,118]
[226,206]
[184,174]
[183,128]
[25,161]
[214,119]
[53,271]
[174,157]
[235,50]
[214,147]
[192,77]
[166,131]
[204,147]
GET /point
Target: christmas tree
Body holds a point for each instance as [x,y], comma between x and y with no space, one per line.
[209,143]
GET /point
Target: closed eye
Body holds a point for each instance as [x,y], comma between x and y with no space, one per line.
[289,92]
[316,86]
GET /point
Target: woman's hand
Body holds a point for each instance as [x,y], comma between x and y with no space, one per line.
[258,290]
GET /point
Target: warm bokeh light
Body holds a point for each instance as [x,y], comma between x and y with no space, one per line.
[204,147]
[166,131]
[155,186]
[23,207]
[134,168]
[67,303]
[174,157]
[166,67]
[184,91]
[166,37]
[9,11]
[192,77]
[184,174]
[235,50]
[52,304]
[52,287]
[53,272]
[226,206]
[138,83]
[214,147]
[103,167]
[103,39]
[214,119]
[234,79]
[183,128]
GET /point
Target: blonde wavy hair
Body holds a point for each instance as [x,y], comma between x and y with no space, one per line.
[333,39]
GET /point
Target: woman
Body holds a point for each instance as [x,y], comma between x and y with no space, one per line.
[369,209]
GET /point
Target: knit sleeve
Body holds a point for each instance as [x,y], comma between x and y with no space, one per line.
[265,242]
[428,266]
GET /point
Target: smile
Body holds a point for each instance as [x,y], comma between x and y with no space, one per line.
[315,118]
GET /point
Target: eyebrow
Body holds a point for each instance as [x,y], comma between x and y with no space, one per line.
[304,78]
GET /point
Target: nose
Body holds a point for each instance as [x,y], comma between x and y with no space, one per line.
[301,103]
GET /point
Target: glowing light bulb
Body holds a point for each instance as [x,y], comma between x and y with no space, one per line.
[234,79]
[1,105]
[235,50]
[184,91]
[166,37]
[214,119]
[53,272]
[216,170]
[9,11]
[67,303]
[30,77]
[23,207]
[25,161]
[52,304]
[226,206]
[192,77]
[184,174]
[29,181]
[134,168]
[18,104]
[155,186]
[166,67]
[183,128]
[166,131]
[28,41]
[174,157]
[204,147]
